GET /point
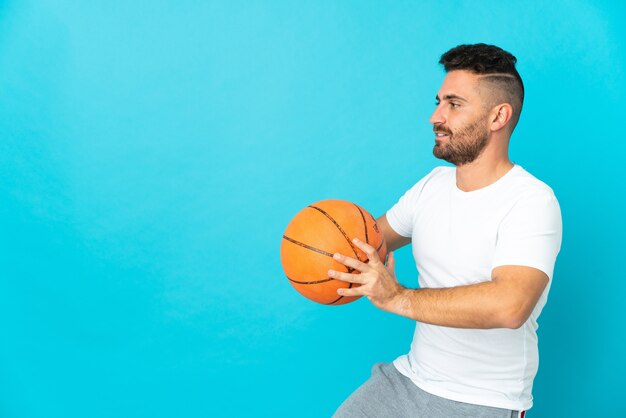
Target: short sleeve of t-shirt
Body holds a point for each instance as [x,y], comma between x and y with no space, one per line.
[530,234]
[400,216]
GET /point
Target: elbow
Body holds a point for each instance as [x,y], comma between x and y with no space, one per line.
[515,322]
[513,318]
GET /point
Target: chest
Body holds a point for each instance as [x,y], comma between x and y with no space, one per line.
[454,239]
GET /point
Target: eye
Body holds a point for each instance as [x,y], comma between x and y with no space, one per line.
[454,105]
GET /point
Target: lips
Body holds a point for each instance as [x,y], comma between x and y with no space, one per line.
[441,133]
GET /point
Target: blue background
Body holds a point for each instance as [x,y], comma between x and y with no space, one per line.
[152,153]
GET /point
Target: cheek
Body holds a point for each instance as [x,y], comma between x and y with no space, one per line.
[461,126]
[455,129]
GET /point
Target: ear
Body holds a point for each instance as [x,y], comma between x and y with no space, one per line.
[500,116]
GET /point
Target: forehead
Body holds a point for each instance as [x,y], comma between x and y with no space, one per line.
[460,83]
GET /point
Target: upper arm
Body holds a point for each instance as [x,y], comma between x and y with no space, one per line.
[530,235]
[392,238]
[520,289]
[527,244]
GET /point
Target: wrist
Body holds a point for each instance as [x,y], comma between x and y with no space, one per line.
[400,303]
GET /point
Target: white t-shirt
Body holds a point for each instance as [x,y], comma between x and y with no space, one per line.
[458,238]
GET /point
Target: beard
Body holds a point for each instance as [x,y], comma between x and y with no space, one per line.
[463,146]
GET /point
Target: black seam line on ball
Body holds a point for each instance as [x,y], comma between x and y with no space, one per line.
[381,245]
[308,247]
[334,301]
[315,282]
[339,298]
[364,223]
[339,228]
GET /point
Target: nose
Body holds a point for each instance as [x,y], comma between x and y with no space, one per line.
[437,118]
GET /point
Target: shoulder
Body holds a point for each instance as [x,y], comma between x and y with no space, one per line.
[439,175]
[435,178]
[441,171]
[401,215]
[524,185]
[530,197]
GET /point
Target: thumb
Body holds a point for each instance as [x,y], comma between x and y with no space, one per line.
[391,262]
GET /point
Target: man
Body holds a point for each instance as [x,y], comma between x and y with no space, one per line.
[485,235]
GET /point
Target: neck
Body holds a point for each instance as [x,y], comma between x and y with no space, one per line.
[483,171]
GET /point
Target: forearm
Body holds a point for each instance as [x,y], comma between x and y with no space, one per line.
[506,301]
[480,305]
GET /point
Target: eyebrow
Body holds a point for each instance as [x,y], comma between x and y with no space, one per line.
[450,97]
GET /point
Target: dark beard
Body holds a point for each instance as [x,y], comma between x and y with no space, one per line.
[463,146]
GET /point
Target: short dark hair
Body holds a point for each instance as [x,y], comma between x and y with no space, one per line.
[498,67]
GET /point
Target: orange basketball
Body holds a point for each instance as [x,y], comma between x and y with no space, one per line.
[314,235]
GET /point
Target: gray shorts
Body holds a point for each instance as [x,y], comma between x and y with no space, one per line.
[389,394]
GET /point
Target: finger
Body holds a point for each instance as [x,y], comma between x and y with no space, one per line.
[391,262]
[346,277]
[354,291]
[351,262]
[370,251]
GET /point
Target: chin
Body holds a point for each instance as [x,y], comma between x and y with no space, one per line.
[441,157]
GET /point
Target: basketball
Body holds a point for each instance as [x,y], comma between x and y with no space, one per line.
[314,235]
